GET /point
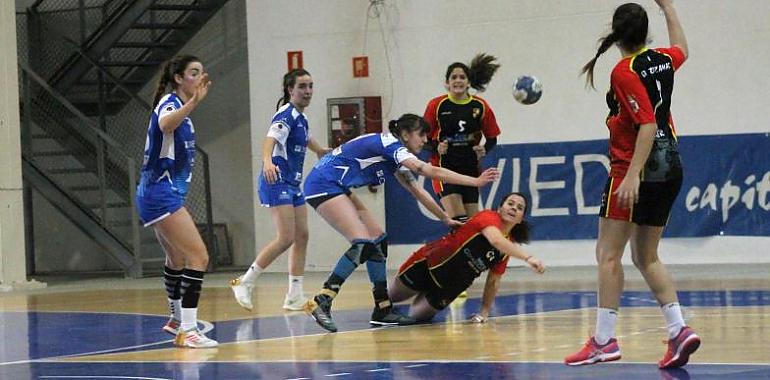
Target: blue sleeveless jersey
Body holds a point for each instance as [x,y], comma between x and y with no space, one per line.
[289,128]
[362,161]
[168,158]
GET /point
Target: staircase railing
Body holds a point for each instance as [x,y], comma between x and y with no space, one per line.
[86,164]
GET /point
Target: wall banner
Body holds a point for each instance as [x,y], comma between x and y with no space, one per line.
[726,189]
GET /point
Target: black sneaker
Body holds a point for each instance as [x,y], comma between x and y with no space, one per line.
[319,307]
[390,317]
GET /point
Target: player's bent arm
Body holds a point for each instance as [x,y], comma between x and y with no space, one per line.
[316,148]
[411,185]
[434,172]
[491,287]
[171,121]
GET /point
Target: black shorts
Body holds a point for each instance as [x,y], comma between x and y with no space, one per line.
[468,194]
[653,208]
[418,278]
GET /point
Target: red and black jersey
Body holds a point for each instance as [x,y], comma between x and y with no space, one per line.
[461,123]
[456,259]
[640,93]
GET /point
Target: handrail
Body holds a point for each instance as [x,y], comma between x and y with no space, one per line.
[63,101]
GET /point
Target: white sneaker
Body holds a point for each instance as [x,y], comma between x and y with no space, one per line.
[172,326]
[242,292]
[295,303]
[194,338]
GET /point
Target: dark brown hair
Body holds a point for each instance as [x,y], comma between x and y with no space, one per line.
[482,68]
[408,122]
[629,30]
[289,80]
[175,66]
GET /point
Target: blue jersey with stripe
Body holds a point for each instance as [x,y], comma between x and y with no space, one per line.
[289,128]
[168,156]
[364,160]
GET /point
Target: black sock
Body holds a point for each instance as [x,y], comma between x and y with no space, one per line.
[192,281]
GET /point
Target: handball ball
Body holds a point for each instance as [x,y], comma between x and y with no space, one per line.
[527,89]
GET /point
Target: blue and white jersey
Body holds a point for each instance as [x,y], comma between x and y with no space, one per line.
[290,129]
[364,160]
[168,156]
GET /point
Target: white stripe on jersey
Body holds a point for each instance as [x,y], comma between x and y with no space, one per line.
[366,162]
[167,147]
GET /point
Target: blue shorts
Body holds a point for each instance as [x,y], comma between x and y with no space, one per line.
[317,185]
[279,194]
[156,201]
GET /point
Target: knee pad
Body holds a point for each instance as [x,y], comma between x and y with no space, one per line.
[382,244]
[363,251]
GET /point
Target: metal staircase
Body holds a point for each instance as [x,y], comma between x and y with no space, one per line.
[81,65]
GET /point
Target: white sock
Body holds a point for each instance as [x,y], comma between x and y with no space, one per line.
[606,319]
[251,275]
[674,321]
[189,318]
[175,306]
[295,285]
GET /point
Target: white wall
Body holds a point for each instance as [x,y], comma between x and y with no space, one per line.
[722,89]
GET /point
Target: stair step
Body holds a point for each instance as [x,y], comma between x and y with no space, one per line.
[69,171]
[130,63]
[109,205]
[91,82]
[158,25]
[119,223]
[84,188]
[53,153]
[143,45]
[177,7]
[154,260]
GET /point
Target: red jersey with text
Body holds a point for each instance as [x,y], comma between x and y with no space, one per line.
[640,93]
[455,260]
[461,124]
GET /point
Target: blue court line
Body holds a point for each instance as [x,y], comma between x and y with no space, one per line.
[379,370]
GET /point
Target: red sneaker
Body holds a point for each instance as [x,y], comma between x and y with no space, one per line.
[680,349]
[592,353]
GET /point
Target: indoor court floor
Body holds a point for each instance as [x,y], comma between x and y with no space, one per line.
[110,328]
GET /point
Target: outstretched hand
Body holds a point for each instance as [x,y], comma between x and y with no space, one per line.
[489,175]
[536,265]
[202,89]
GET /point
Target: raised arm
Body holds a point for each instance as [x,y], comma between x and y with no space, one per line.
[430,171]
[675,32]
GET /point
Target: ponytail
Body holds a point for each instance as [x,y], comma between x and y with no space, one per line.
[588,68]
[629,31]
[483,67]
[162,83]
